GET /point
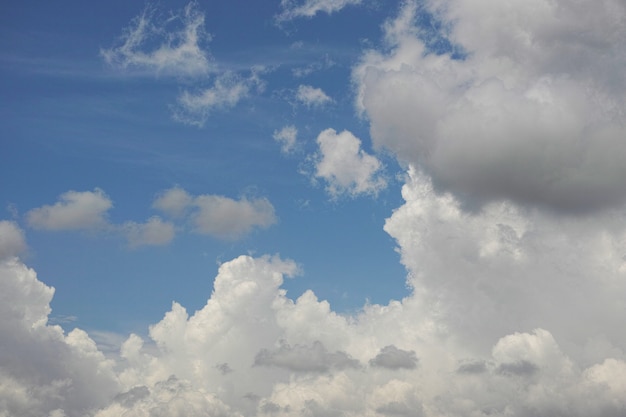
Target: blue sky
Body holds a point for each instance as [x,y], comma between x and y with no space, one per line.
[313,208]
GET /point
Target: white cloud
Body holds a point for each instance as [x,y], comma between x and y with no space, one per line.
[287,137]
[154,232]
[534,111]
[308,8]
[227,90]
[311,96]
[179,38]
[216,215]
[345,166]
[12,241]
[75,210]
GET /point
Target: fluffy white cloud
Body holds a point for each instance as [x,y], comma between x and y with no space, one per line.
[533,111]
[180,40]
[311,96]
[74,211]
[287,137]
[154,231]
[216,215]
[12,241]
[345,166]
[308,8]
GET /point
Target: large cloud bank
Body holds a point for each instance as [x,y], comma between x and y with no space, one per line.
[533,110]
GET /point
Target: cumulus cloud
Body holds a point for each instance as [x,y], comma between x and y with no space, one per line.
[287,137]
[153,232]
[12,241]
[308,8]
[393,358]
[532,112]
[216,215]
[228,89]
[311,96]
[75,210]
[170,46]
[345,167]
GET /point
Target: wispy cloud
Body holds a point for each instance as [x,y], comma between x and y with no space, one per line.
[312,96]
[308,8]
[287,137]
[345,167]
[180,41]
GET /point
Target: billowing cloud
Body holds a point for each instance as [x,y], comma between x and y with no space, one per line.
[75,210]
[216,215]
[153,232]
[345,167]
[393,358]
[531,111]
[312,96]
[308,8]
[228,89]
[12,241]
[302,358]
[170,46]
[287,137]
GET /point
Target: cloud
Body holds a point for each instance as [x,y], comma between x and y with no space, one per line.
[216,215]
[75,210]
[153,232]
[228,89]
[12,241]
[391,357]
[287,137]
[532,112]
[308,8]
[311,96]
[179,41]
[345,167]
[302,358]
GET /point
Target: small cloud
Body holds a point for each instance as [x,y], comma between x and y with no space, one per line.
[179,44]
[345,166]
[154,232]
[174,202]
[228,89]
[12,241]
[308,8]
[303,358]
[519,368]
[224,368]
[477,367]
[287,137]
[74,211]
[391,357]
[312,97]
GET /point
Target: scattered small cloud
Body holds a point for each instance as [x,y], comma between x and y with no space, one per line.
[292,9]
[345,167]
[154,232]
[12,241]
[312,97]
[86,210]
[391,357]
[287,137]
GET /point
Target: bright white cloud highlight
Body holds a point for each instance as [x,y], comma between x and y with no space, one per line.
[75,210]
[311,96]
[308,8]
[12,241]
[287,137]
[215,215]
[180,40]
[535,112]
[345,167]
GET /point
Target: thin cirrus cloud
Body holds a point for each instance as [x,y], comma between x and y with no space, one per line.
[181,40]
[533,111]
[312,96]
[345,167]
[293,9]
[218,216]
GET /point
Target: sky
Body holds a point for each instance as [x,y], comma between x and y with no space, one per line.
[313,208]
